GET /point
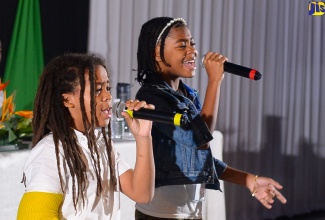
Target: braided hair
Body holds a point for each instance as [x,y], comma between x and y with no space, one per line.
[153,29]
[61,76]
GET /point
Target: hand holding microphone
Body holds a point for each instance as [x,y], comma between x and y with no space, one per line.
[137,127]
[239,70]
[149,114]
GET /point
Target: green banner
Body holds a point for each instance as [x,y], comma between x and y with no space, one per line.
[25,60]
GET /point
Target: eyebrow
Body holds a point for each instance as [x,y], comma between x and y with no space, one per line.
[102,83]
[184,40]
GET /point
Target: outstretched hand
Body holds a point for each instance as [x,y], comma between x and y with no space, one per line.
[138,127]
[265,189]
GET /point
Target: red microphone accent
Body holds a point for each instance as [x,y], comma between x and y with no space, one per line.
[252,74]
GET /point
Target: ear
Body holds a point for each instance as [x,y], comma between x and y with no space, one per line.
[68,101]
[157,53]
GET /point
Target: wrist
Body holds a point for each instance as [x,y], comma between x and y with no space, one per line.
[252,184]
[143,137]
[215,82]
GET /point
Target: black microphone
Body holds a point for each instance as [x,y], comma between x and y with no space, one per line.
[149,114]
[240,70]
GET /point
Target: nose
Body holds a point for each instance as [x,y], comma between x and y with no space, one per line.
[107,96]
[193,51]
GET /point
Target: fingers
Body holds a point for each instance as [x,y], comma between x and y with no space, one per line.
[138,127]
[266,195]
[214,57]
[136,105]
[274,187]
[280,197]
[266,203]
[214,65]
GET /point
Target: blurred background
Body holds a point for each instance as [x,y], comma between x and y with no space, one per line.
[272,127]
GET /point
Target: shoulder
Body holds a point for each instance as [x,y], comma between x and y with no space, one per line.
[159,95]
[40,168]
[44,149]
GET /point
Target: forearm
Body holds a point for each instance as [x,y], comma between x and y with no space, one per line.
[238,177]
[142,184]
[211,104]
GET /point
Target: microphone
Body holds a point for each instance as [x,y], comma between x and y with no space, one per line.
[240,70]
[149,114]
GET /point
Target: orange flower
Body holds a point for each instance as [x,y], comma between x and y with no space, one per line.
[3,85]
[8,107]
[25,114]
[11,127]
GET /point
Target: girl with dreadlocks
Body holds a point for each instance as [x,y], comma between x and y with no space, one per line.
[73,171]
[183,160]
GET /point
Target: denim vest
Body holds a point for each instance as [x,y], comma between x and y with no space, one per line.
[178,158]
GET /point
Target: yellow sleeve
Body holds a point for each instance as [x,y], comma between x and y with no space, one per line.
[39,205]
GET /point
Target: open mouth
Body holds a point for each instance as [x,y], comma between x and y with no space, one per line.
[107,113]
[190,64]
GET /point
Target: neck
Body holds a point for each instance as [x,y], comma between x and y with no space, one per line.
[172,82]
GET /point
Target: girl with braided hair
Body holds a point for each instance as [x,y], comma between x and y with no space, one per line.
[184,164]
[73,171]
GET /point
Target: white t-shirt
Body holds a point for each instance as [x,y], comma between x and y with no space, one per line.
[175,201]
[42,176]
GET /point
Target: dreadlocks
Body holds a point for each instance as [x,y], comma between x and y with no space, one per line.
[152,32]
[61,76]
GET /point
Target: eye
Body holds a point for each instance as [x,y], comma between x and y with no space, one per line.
[181,44]
[98,89]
